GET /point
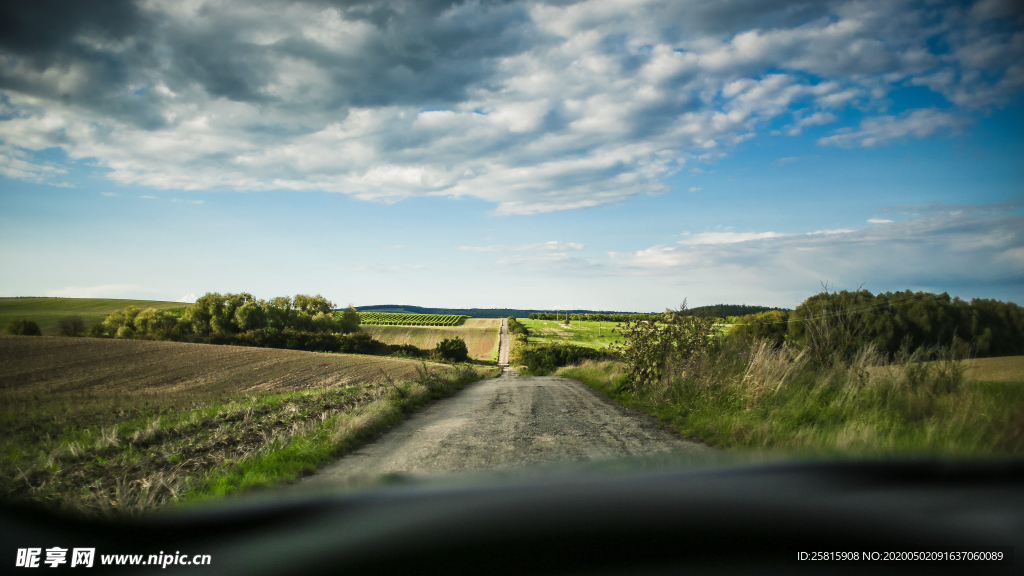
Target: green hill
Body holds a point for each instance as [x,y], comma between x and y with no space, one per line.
[46,311]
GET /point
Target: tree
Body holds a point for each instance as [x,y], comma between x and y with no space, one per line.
[453,349]
[71,325]
[24,327]
[349,320]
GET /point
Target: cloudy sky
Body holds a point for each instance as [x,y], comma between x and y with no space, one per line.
[602,154]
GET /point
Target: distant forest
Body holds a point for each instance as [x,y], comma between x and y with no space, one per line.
[717,310]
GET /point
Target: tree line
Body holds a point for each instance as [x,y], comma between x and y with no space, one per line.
[302,322]
[846,321]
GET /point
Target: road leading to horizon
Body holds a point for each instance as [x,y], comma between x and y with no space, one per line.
[503,344]
[504,423]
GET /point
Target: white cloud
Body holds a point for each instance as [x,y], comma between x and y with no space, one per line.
[102,291]
[551,246]
[922,123]
[786,160]
[188,298]
[967,254]
[694,188]
[879,220]
[180,201]
[531,107]
[728,237]
[816,119]
[147,197]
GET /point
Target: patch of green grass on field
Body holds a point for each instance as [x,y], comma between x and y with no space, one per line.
[580,333]
[47,311]
[832,411]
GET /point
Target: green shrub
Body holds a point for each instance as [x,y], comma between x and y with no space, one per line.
[71,325]
[453,349]
[541,359]
[771,326]
[24,327]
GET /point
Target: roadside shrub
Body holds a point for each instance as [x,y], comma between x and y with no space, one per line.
[453,349]
[658,349]
[24,327]
[71,325]
[769,326]
[541,359]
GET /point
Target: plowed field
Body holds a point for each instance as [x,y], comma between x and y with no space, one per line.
[38,367]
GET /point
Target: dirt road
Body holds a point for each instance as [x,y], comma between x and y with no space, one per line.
[502,423]
[503,343]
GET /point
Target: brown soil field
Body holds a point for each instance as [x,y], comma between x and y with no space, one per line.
[100,425]
[42,366]
[480,334]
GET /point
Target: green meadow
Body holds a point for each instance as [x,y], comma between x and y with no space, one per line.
[581,333]
[47,311]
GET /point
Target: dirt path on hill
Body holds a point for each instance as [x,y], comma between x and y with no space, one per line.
[503,343]
[503,423]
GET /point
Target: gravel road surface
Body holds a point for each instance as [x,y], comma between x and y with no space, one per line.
[504,423]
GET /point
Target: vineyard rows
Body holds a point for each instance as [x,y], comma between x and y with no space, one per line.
[395,319]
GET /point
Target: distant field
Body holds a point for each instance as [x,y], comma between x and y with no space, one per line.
[46,311]
[480,334]
[395,319]
[1004,369]
[579,333]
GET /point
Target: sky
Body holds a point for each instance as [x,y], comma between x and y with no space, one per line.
[600,154]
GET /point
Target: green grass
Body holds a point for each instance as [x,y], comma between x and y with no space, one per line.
[46,311]
[920,408]
[580,333]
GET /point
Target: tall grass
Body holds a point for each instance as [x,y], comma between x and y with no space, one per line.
[766,396]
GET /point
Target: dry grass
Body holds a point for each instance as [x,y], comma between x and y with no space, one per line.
[1005,369]
[480,334]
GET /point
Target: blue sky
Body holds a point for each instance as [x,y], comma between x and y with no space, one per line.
[597,154]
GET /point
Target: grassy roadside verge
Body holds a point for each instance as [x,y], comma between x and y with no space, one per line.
[289,459]
[144,454]
[773,402]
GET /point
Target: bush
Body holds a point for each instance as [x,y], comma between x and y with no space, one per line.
[24,327]
[453,349]
[97,331]
[71,325]
[770,326]
[541,359]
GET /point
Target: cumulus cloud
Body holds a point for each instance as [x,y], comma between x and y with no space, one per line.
[694,188]
[188,298]
[879,220]
[532,106]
